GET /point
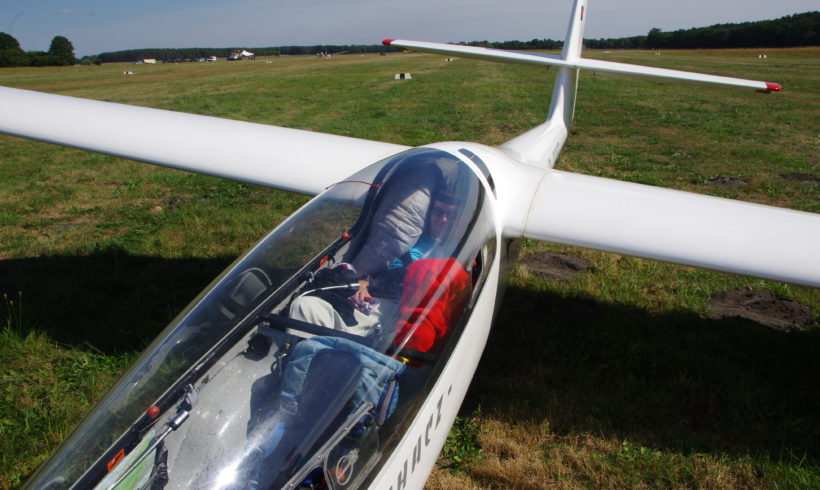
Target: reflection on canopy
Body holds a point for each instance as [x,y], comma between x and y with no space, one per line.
[250,396]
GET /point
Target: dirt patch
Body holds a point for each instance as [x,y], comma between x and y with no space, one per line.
[172,203]
[65,225]
[553,266]
[763,307]
[727,180]
[801,177]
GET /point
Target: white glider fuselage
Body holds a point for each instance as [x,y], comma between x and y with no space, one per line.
[237,428]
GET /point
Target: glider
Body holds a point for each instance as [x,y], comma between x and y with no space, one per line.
[249,387]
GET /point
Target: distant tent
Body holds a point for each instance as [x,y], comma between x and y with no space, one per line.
[241,55]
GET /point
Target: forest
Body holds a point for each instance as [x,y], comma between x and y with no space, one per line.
[170,54]
[792,30]
[789,31]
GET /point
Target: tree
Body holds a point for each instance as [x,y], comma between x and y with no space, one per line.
[61,51]
[653,39]
[13,57]
[10,52]
[7,41]
[90,60]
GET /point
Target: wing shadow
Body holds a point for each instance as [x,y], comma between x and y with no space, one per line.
[674,381]
[110,300]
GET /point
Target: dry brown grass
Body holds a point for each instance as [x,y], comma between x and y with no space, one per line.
[534,457]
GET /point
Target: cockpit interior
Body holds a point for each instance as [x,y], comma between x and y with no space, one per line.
[278,375]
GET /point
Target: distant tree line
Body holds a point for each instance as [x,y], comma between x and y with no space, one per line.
[792,30]
[61,53]
[518,45]
[194,53]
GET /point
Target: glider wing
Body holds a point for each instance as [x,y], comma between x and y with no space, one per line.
[540,59]
[284,158]
[676,226]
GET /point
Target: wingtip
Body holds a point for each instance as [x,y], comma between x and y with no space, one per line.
[771,87]
[387,42]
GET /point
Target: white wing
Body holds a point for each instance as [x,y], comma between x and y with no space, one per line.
[537,59]
[289,159]
[676,226]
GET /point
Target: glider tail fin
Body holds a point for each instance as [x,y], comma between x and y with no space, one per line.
[575,32]
[540,145]
[562,104]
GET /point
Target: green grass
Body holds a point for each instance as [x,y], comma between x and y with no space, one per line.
[45,388]
[463,448]
[614,379]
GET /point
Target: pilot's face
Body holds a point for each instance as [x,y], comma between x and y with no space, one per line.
[441,217]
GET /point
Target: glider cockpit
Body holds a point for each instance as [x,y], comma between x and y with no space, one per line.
[240,392]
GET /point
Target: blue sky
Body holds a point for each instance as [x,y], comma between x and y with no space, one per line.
[94,26]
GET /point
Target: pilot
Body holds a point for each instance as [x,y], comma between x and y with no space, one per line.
[435,293]
[412,227]
[439,219]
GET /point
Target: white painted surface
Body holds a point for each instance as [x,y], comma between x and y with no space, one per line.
[676,226]
[537,59]
[416,454]
[289,159]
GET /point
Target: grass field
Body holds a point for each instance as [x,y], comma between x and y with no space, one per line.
[614,379]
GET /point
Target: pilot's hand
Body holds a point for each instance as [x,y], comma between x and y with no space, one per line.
[363,294]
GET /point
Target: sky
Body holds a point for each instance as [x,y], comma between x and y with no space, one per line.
[95,26]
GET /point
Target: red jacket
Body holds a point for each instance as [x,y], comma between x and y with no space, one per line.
[435,293]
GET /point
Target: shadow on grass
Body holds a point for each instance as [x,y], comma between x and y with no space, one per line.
[673,381]
[110,300]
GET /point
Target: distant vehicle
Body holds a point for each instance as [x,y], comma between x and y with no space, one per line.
[210,58]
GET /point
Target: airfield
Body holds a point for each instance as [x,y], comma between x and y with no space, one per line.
[602,370]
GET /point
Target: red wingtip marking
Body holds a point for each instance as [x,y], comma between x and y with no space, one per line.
[771,87]
[387,42]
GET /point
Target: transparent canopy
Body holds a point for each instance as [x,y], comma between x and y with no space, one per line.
[278,374]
